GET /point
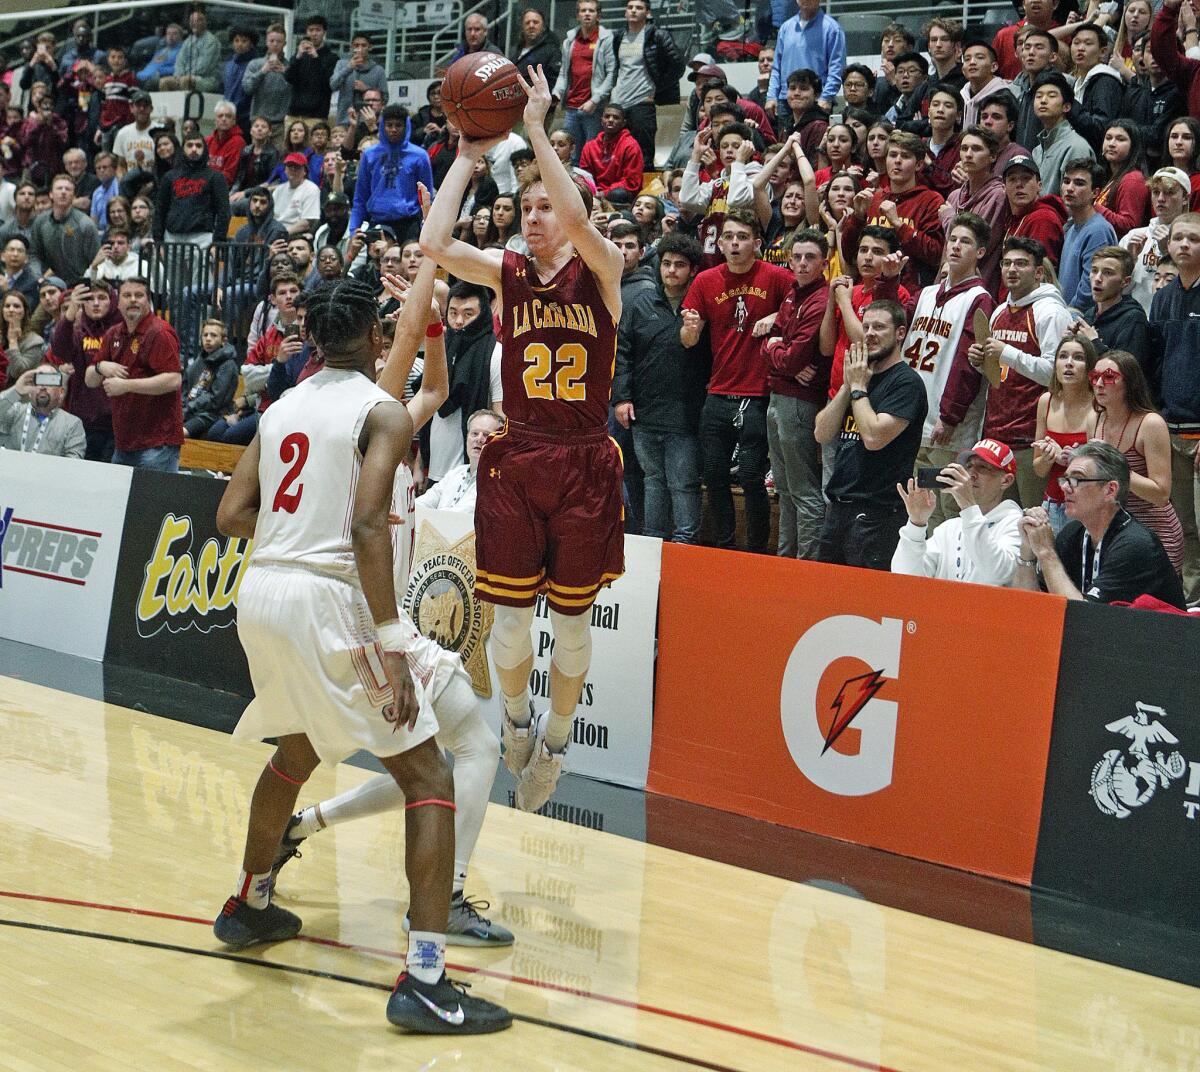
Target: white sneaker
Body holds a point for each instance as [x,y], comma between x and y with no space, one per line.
[540,776]
[518,742]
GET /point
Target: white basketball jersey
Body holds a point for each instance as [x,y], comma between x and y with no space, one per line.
[308,474]
[930,346]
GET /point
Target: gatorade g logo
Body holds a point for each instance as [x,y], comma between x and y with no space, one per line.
[855,705]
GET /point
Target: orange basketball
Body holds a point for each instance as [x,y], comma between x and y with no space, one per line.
[481,95]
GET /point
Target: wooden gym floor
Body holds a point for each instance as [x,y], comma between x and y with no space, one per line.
[121,836]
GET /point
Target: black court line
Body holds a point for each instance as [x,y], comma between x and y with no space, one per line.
[612,1040]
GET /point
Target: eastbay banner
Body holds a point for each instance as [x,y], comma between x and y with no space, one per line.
[610,738]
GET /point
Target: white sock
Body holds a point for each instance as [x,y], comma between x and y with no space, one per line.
[255,890]
[426,957]
[517,706]
[558,730]
[310,822]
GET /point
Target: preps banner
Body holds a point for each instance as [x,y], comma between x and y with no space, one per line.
[610,738]
[60,533]
[898,712]
[175,605]
[1121,821]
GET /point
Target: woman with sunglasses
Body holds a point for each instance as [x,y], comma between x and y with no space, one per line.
[1066,417]
[1129,423]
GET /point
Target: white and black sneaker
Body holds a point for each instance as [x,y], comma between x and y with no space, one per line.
[469,926]
[443,1008]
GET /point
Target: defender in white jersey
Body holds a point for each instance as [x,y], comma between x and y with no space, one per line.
[328,652]
[440,679]
[940,334]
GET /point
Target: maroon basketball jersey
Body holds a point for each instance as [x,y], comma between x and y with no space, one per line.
[560,346]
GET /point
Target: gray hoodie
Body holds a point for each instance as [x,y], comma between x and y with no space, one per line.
[270,92]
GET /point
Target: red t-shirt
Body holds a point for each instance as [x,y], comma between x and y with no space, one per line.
[144,421]
[579,83]
[731,305]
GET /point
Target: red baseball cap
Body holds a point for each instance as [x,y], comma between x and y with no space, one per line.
[299,159]
[993,452]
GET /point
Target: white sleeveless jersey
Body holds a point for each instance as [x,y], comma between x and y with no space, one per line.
[308,474]
[929,347]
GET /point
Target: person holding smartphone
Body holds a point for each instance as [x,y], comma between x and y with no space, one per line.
[32,418]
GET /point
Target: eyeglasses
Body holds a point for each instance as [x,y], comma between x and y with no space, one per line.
[1073,482]
[1108,377]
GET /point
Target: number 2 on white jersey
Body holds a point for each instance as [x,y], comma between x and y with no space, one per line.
[571,359]
[293,452]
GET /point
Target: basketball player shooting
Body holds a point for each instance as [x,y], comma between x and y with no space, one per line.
[549,511]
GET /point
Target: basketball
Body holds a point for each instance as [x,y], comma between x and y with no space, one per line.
[481,95]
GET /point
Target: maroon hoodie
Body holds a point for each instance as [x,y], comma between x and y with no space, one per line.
[795,343]
[77,344]
[921,234]
[1044,221]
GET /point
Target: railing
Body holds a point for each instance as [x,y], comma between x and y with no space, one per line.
[191,284]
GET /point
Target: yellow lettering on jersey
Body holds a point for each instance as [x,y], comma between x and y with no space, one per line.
[574,317]
[743,291]
[880,220]
[932,325]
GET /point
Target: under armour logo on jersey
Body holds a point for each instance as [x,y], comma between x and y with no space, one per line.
[494,473]
[740,315]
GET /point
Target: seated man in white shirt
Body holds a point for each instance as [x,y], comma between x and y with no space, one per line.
[982,544]
[456,490]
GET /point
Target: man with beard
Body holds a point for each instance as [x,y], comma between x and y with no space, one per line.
[32,418]
[876,418]
[193,200]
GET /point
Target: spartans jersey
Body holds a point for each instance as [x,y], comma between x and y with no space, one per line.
[936,346]
[560,346]
[308,473]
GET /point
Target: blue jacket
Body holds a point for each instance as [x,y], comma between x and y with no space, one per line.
[386,185]
[820,46]
[1173,368]
[162,65]
[235,71]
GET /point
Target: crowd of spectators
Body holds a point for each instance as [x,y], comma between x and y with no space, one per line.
[937,306]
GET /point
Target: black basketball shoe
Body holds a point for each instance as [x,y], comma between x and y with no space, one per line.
[239,925]
[443,1008]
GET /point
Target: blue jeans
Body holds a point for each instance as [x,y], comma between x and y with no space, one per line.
[583,128]
[165,459]
[671,463]
[240,433]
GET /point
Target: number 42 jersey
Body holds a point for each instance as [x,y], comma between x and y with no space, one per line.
[308,475]
[560,346]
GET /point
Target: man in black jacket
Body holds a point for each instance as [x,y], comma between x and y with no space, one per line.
[470,347]
[659,390]
[649,66]
[1114,319]
[309,73]
[1152,101]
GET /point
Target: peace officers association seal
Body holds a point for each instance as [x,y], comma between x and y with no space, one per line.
[441,599]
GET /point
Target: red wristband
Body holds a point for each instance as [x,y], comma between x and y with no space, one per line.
[434,331]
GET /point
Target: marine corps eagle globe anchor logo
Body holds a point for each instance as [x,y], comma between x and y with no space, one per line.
[1122,781]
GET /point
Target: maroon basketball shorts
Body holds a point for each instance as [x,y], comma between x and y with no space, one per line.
[549,517]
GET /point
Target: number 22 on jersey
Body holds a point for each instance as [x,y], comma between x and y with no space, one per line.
[558,375]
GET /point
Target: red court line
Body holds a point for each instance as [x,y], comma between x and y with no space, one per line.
[47,576]
[774,1040]
[58,528]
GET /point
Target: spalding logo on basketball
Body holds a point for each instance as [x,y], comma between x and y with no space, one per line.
[481,95]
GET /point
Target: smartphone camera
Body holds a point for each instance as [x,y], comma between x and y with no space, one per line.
[927,477]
